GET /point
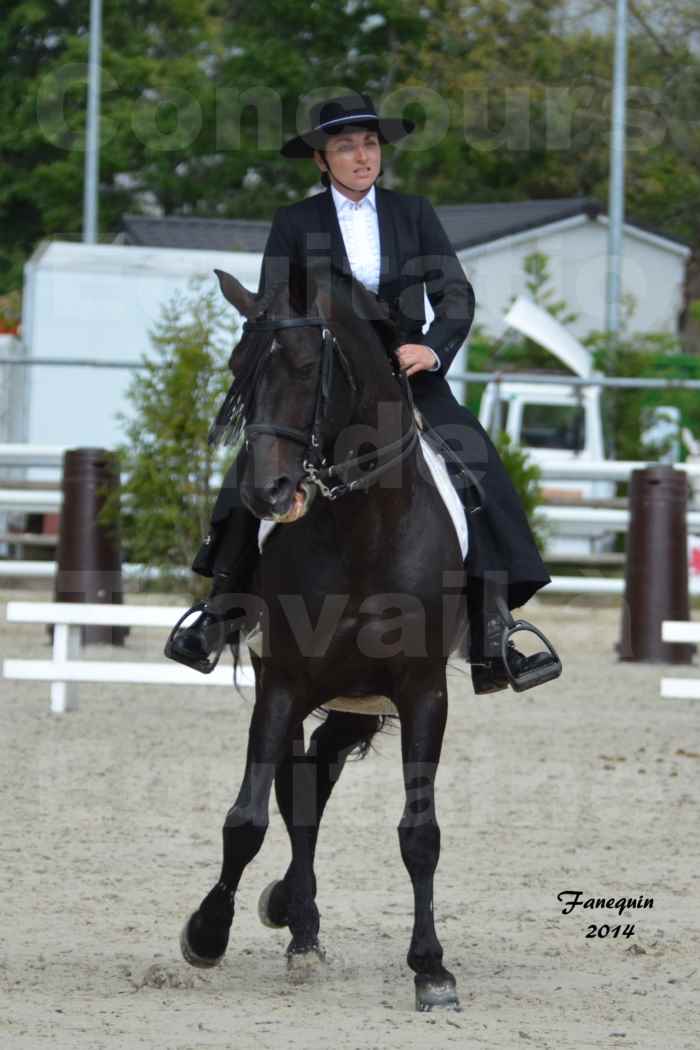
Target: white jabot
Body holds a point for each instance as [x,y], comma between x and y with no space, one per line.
[360,229]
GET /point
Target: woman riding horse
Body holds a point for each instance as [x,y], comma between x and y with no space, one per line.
[350,601]
[394,244]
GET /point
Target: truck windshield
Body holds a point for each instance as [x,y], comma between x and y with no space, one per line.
[553,426]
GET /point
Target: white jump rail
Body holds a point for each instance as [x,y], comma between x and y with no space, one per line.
[66,668]
[680,688]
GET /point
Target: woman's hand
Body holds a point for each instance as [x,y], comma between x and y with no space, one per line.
[413,357]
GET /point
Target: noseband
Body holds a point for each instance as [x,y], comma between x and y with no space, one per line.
[334,479]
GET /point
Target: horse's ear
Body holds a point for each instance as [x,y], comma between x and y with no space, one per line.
[244,301]
[384,311]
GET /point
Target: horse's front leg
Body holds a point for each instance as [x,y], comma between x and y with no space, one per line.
[303,785]
[423,712]
[273,724]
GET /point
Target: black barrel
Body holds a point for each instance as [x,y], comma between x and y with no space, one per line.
[88,559]
[656,574]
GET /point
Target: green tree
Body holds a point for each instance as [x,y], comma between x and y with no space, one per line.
[512,100]
[650,356]
[274,60]
[155,92]
[168,465]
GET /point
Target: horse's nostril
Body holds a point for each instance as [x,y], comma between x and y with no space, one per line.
[277,488]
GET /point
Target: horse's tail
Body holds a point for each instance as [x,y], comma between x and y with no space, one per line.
[364,744]
[234,643]
[361,729]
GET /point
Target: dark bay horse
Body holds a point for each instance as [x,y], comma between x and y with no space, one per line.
[358,593]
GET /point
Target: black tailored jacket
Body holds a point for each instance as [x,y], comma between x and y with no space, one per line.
[415,253]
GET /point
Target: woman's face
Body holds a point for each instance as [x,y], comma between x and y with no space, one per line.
[354,158]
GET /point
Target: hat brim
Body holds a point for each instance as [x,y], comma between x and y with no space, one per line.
[390,129]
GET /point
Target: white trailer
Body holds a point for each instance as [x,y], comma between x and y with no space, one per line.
[97,302]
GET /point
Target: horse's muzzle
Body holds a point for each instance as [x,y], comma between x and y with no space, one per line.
[279,500]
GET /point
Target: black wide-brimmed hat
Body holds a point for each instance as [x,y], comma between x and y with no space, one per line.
[327,118]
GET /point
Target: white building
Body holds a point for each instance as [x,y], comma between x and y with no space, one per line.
[573,235]
[98,302]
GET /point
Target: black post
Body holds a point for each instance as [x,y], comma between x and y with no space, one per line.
[88,559]
[656,573]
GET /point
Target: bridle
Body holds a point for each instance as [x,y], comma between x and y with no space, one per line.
[332,479]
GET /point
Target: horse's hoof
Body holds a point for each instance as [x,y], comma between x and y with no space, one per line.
[269,911]
[436,993]
[191,956]
[305,966]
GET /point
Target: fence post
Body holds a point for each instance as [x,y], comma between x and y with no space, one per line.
[656,572]
[88,558]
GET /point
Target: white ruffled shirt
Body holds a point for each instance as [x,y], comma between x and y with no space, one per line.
[359,226]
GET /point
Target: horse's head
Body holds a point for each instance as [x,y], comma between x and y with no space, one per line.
[295,391]
[283,395]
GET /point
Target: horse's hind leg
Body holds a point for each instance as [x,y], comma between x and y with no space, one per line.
[423,715]
[303,785]
[275,718]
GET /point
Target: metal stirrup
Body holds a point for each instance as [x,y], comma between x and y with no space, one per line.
[537,675]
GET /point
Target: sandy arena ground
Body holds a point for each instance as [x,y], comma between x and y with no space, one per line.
[111,835]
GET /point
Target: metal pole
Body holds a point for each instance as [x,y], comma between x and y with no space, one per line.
[92,130]
[616,192]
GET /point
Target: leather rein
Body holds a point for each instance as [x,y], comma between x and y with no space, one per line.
[332,479]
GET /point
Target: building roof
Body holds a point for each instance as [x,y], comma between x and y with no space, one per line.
[471,224]
[467,225]
[176,231]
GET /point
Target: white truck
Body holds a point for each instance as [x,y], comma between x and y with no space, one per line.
[554,423]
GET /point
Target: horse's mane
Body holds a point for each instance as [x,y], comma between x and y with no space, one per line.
[350,296]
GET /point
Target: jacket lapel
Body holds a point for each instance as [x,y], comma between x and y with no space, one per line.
[330,224]
[388,244]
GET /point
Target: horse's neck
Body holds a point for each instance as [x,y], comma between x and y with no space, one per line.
[381,511]
[379,518]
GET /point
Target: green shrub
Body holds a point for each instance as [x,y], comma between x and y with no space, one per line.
[166,462]
[525,476]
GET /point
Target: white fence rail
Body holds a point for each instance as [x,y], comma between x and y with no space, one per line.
[606,470]
[46,570]
[21,455]
[559,585]
[31,501]
[66,668]
[564,521]
[680,688]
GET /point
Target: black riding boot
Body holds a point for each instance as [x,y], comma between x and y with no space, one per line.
[495,662]
[229,555]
